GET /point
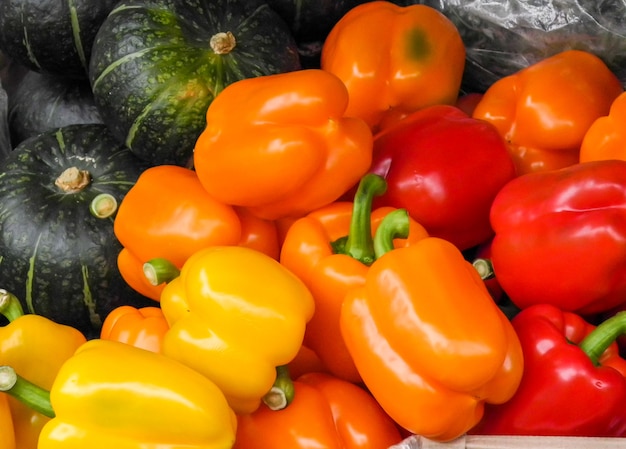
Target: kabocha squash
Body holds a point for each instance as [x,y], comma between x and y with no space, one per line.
[43,102]
[52,36]
[156,65]
[57,257]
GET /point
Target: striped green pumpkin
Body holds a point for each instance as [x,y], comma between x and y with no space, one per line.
[156,65]
[52,36]
[55,255]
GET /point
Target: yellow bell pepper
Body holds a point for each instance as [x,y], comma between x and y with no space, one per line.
[35,347]
[235,315]
[114,395]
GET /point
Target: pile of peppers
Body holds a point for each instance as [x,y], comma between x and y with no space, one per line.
[359,252]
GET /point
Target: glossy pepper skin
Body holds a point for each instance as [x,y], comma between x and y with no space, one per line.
[394,59]
[326,412]
[606,137]
[6,424]
[36,347]
[329,270]
[430,343]
[235,314]
[281,145]
[113,395]
[168,214]
[569,224]
[564,391]
[543,111]
[143,327]
[444,167]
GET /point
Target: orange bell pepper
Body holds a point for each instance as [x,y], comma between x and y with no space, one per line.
[6,424]
[606,137]
[326,412]
[544,111]
[36,347]
[430,343]
[394,59]
[281,145]
[168,214]
[142,327]
[330,250]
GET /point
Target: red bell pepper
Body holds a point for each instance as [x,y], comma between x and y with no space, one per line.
[444,168]
[560,237]
[574,381]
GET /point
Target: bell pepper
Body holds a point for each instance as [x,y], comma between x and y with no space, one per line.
[544,111]
[331,249]
[430,343]
[142,327]
[326,412]
[6,424]
[574,381]
[167,213]
[560,237]
[281,145]
[235,314]
[606,137]
[394,59]
[444,167]
[113,395]
[36,347]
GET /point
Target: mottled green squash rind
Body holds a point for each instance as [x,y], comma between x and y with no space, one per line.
[54,255]
[52,36]
[153,73]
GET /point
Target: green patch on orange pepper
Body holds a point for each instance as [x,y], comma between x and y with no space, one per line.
[281,145]
[394,60]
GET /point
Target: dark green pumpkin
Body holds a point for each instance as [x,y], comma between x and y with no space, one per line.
[154,70]
[42,102]
[52,36]
[57,257]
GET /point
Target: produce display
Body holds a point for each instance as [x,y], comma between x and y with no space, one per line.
[239,224]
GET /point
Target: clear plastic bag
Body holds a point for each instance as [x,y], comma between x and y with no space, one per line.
[504,36]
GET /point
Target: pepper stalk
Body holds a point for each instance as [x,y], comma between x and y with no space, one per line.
[25,391]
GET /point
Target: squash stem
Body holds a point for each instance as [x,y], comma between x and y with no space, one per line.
[10,306]
[25,391]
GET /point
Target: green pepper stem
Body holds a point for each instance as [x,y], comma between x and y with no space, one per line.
[25,391]
[160,270]
[484,268]
[10,306]
[103,205]
[599,339]
[395,225]
[282,392]
[359,244]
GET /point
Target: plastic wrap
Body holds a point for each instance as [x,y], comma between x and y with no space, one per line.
[502,37]
[513,442]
